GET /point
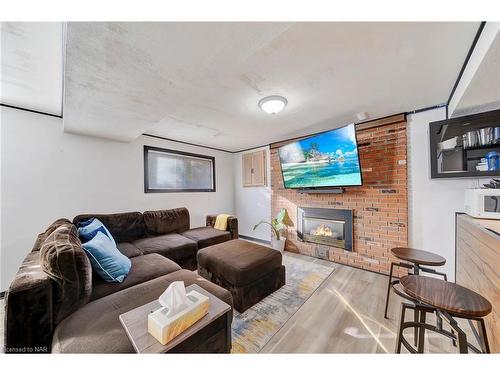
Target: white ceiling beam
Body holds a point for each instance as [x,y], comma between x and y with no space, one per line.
[485,42]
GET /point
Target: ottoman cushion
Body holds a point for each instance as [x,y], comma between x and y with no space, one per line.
[239,262]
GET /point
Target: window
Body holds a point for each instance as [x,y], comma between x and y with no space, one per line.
[175,171]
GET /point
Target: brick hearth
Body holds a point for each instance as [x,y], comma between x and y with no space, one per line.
[380,206]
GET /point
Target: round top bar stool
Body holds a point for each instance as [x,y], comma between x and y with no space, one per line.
[413,259]
[418,257]
[448,300]
[443,295]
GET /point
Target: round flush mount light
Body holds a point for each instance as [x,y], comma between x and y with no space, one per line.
[273,104]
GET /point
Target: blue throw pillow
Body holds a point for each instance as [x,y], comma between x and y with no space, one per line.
[106,259]
[89,228]
[84,223]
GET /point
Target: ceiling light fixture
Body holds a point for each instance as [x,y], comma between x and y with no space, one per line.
[273,104]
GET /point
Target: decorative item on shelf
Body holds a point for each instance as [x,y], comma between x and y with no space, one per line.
[496,135]
[485,136]
[493,184]
[482,165]
[179,311]
[493,161]
[471,139]
[277,224]
[449,144]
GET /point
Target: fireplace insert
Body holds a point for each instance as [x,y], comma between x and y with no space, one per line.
[325,226]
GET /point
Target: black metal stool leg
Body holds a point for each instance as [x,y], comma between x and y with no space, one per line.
[416,271]
[485,346]
[415,329]
[421,332]
[388,291]
[439,326]
[462,342]
[439,322]
[453,341]
[463,346]
[400,329]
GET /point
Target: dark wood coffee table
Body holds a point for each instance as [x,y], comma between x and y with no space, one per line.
[135,323]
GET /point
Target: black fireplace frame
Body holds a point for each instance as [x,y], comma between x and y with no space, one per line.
[327,214]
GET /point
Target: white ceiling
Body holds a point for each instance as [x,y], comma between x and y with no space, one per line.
[32,65]
[200,82]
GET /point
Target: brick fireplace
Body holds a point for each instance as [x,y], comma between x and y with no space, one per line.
[379,208]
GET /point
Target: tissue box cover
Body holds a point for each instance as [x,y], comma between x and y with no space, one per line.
[164,328]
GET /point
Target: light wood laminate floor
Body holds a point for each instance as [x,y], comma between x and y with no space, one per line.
[346,315]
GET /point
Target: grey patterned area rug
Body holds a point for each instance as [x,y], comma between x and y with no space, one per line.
[257,325]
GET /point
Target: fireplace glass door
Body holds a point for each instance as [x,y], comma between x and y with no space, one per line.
[324,231]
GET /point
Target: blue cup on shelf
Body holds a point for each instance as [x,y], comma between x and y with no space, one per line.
[493,161]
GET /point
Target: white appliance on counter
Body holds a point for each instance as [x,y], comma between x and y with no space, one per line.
[483,203]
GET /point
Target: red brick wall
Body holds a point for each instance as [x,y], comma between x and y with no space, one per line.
[380,206]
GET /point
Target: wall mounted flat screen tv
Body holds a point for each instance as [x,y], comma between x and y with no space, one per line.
[328,159]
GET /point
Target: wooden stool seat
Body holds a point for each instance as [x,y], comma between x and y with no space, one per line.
[418,256]
[443,295]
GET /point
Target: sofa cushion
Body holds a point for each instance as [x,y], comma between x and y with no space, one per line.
[51,228]
[89,228]
[167,221]
[128,249]
[107,261]
[173,246]
[124,227]
[207,236]
[64,260]
[144,268]
[239,262]
[96,327]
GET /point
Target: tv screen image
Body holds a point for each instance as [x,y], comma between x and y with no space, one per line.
[329,159]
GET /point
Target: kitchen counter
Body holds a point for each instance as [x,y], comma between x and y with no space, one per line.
[477,266]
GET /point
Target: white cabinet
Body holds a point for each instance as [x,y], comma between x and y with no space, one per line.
[254,169]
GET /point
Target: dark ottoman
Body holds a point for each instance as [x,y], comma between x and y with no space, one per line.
[247,270]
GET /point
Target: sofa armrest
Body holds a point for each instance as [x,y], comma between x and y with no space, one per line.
[28,309]
[211,220]
[232,224]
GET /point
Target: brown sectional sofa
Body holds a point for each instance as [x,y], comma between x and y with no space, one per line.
[165,232]
[56,303]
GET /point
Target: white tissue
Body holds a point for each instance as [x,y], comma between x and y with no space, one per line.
[174,298]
